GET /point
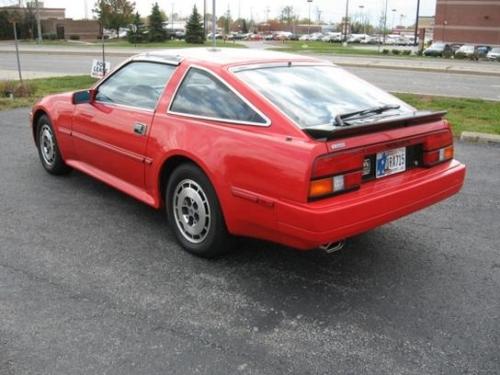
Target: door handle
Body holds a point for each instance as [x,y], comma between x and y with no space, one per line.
[139,128]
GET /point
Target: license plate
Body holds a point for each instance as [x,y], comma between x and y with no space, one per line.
[391,162]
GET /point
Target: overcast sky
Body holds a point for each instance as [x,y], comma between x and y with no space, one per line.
[331,10]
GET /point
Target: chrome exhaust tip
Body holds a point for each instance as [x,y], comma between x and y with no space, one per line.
[333,247]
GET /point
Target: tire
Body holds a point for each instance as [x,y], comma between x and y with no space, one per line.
[48,150]
[194,213]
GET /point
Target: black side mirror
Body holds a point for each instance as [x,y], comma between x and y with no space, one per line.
[85,96]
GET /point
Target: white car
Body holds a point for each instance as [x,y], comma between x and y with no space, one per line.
[494,54]
[305,37]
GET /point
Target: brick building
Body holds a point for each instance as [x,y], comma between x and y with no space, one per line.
[468,21]
[54,21]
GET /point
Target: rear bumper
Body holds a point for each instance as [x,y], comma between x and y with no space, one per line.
[306,226]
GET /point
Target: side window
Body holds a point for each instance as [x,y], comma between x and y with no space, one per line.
[201,94]
[138,84]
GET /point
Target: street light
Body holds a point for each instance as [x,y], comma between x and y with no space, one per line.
[346,20]
[393,17]
[309,26]
[416,23]
[363,18]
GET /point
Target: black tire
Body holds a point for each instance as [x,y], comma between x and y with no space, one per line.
[48,150]
[209,237]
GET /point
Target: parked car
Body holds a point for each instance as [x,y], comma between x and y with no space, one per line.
[494,54]
[332,37]
[438,50]
[466,51]
[284,148]
[305,37]
[482,51]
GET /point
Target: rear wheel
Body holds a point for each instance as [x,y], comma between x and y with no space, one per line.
[194,213]
[48,149]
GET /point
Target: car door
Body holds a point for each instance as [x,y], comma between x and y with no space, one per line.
[111,132]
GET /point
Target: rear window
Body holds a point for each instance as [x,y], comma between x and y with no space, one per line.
[315,95]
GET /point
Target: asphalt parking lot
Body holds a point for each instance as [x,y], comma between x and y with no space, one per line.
[91,282]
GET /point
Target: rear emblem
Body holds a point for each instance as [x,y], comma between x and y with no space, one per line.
[336,146]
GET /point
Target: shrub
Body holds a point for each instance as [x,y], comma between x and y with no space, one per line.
[17,89]
[396,52]
[385,51]
[74,37]
[49,36]
[407,52]
[448,54]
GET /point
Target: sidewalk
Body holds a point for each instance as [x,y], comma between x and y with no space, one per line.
[418,64]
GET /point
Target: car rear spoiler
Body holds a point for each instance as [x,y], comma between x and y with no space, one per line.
[415,118]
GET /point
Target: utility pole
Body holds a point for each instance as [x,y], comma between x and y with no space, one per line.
[38,25]
[416,23]
[346,20]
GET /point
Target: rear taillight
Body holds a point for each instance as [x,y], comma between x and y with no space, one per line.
[333,174]
[438,148]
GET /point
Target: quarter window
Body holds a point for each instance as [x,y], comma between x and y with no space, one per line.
[138,84]
[201,94]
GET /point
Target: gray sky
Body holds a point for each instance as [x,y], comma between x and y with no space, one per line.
[331,10]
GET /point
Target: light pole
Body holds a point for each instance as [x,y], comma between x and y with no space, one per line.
[385,19]
[213,24]
[393,17]
[363,18]
[309,26]
[38,25]
[346,25]
[205,18]
[416,22]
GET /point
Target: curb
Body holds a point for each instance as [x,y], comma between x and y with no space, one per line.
[475,137]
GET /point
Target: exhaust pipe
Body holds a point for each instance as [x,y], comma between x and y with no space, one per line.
[333,247]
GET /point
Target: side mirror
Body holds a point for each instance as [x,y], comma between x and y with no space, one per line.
[85,96]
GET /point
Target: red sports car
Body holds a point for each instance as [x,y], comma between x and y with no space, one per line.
[279,147]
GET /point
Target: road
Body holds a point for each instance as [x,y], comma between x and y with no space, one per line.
[92,282]
[446,84]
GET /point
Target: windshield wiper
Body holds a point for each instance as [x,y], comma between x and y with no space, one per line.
[339,119]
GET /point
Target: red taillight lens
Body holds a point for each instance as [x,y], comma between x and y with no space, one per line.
[438,148]
[330,165]
[333,174]
[438,140]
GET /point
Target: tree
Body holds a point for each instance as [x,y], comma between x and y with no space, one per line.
[114,14]
[156,31]
[288,15]
[244,26]
[194,28]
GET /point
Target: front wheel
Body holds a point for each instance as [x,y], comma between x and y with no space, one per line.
[48,150]
[194,213]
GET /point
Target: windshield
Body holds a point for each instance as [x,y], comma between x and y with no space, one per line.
[437,46]
[495,50]
[315,95]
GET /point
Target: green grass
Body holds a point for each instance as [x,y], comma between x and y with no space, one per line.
[464,114]
[45,86]
[323,47]
[122,43]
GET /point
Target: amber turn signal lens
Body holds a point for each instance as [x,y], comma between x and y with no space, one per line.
[318,188]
